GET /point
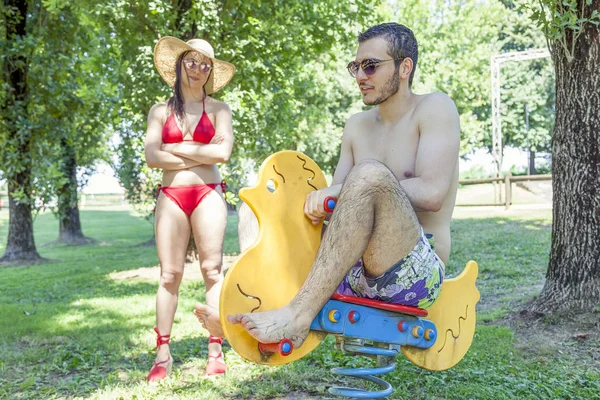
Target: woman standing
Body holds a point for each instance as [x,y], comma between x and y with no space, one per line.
[187,137]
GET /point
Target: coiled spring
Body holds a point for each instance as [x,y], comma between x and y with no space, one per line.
[385,363]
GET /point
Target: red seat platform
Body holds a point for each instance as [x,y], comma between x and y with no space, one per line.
[399,308]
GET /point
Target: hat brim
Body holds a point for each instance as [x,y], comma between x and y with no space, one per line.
[169,48]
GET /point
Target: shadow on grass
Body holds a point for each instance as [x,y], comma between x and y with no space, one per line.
[73,344]
[49,324]
[66,323]
[82,342]
[83,241]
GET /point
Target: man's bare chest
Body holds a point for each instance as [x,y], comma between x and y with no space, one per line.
[397,150]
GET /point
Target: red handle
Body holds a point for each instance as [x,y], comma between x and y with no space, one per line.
[285,348]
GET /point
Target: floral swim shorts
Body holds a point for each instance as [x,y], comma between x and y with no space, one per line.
[416,280]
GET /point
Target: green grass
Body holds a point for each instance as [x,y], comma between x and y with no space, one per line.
[70,329]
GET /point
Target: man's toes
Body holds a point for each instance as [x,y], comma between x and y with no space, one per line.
[201,318]
[247,323]
[240,318]
[201,308]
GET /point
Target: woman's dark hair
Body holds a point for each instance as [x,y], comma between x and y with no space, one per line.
[401,43]
[175,103]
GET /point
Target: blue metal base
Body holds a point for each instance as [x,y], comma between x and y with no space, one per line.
[362,322]
[352,324]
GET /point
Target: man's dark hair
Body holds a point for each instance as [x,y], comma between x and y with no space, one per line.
[401,43]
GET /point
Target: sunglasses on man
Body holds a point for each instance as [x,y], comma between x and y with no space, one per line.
[368,65]
[200,66]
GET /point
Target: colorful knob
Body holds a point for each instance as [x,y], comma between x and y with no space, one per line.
[429,334]
[334,316]
[354,317]
[417,332]
[284,348]
[403,326]
[329,203]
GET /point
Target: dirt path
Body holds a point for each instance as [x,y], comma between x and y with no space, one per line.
[192,271]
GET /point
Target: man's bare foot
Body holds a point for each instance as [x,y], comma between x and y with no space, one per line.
[273,326]
[209,318]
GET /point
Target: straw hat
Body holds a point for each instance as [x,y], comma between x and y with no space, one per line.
[169,48]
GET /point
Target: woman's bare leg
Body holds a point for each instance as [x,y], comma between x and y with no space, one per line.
[209,221]
[172,234]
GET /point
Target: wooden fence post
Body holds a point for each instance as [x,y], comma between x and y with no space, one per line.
[508,188]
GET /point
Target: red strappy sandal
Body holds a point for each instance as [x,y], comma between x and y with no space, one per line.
[161,369]
[216,364]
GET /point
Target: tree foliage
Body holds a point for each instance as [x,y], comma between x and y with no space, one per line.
[73,99]
[564,21]
[91,76]
[527,86]
[287,92]
[456,42]
[60,124]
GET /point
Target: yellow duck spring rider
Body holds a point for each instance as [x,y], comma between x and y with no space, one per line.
[269,273]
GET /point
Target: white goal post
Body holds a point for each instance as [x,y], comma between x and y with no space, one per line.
[495,63]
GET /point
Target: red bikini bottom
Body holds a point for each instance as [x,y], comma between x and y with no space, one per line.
[188,197]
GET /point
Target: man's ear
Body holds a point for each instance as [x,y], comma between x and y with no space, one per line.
[406,67]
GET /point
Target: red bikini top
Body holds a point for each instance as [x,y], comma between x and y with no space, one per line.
[203,133]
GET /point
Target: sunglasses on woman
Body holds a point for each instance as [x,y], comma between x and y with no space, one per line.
[368,65]
[202,67]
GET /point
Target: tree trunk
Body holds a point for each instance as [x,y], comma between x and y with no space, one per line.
[68,213]
[573,276]
[20,245]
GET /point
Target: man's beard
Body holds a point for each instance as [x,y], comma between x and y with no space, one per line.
[391,88]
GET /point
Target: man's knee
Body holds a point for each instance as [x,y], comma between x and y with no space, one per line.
[371,174]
